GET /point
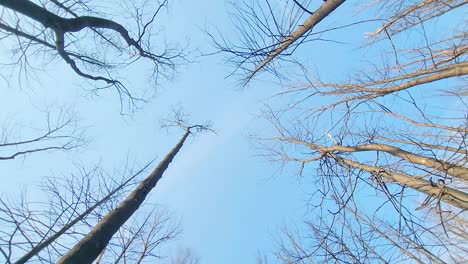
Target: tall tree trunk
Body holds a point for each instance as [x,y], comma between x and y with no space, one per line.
[89,248]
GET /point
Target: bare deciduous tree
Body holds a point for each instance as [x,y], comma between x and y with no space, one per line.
[388,142]
[93,243]
[270,30]
[36,230]
[93,46]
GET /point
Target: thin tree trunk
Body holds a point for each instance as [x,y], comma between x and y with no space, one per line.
[310,22]
[89,248]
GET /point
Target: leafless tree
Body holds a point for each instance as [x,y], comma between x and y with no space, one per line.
[85,36]
[415,146]
[42,230]
[93,243]
[388,142]
[61,132]
[270,30]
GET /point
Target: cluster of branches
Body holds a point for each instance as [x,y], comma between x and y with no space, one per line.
[94,243]
[380,133]
[86,217]
[43,231]
[93,46]
[369,239]
[268,30]
[61,132]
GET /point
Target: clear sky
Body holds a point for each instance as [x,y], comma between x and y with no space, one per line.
[231,202]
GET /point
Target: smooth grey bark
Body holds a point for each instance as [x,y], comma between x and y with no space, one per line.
[89,248]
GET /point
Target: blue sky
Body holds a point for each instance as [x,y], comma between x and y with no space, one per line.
[231,202]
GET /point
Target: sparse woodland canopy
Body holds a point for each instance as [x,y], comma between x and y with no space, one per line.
[85,217]
[34,231]
[385,146]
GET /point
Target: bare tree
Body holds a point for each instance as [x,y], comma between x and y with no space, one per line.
[269,30]
[410,146]
[61,132]
[390,138]
[93,46]
[93,243]
[42,230]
